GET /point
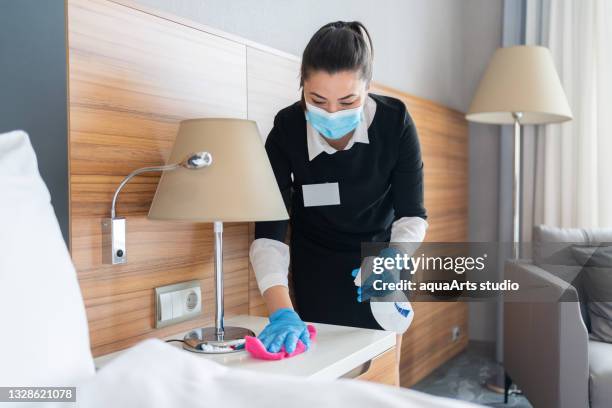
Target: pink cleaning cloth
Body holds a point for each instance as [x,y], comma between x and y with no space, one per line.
[256,348]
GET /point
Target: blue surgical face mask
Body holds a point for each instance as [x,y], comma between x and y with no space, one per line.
[334,125]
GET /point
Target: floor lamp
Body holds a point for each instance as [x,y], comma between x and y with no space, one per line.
[237,185]
[520,87]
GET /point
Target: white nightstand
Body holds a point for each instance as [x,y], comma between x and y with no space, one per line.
[338,352]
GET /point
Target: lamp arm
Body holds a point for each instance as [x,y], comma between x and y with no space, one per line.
[113,229]
[135,173]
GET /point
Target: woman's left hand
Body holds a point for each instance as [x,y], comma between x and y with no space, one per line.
[285,329]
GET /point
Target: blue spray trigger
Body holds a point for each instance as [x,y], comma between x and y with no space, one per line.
[402,311]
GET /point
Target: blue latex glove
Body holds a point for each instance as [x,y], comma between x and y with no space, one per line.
[366,290]
[285,328]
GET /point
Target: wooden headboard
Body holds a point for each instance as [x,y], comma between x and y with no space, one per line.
[134,73]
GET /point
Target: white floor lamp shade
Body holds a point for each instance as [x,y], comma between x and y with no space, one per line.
[520,79]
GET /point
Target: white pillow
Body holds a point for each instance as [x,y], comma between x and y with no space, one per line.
[44,339]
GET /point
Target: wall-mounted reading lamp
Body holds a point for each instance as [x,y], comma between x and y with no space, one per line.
[239,186]
[114,227]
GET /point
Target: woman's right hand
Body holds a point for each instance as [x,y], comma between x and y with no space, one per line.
[285,328]
[365,286]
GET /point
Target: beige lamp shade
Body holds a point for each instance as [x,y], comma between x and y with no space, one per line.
[239,184]
[520,79]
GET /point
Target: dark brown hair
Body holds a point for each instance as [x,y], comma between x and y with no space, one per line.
[338,46]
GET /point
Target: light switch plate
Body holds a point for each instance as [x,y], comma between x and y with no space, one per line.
[177,302]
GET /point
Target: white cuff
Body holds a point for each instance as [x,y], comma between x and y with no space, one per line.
[270,260]
[407,233]
[409,229]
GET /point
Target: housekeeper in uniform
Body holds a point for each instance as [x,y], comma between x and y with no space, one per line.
[348,165]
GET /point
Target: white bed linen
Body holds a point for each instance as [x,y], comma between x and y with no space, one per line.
[155,374]
[44,339]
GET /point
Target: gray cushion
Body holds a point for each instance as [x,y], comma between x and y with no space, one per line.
[600,374]
[596,281]
[552,251]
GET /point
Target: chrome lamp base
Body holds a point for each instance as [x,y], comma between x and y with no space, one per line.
[207,340]
[219,338]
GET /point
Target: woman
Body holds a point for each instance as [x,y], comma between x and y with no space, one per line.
[348,165]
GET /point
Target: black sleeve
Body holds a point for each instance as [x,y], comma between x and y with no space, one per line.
[279,160]
[407,177]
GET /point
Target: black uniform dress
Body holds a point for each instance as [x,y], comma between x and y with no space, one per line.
[379,182]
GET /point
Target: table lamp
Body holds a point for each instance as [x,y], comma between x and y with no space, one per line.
[237,186]
[520,87]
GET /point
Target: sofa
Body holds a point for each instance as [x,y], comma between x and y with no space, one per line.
[549,350]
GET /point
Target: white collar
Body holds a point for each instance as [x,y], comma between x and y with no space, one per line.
[317,143]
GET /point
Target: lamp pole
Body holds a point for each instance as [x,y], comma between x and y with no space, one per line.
[497,381]
[516,187]
[220,329]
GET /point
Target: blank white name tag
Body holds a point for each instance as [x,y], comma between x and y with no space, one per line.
[321,194]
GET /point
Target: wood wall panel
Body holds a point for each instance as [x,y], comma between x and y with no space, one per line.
[273,83]
[443,134]
[132,77]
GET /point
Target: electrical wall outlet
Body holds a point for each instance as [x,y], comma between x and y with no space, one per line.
[177,303]
[455,333]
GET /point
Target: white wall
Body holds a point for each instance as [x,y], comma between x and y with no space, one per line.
[436,49]
[430,48]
